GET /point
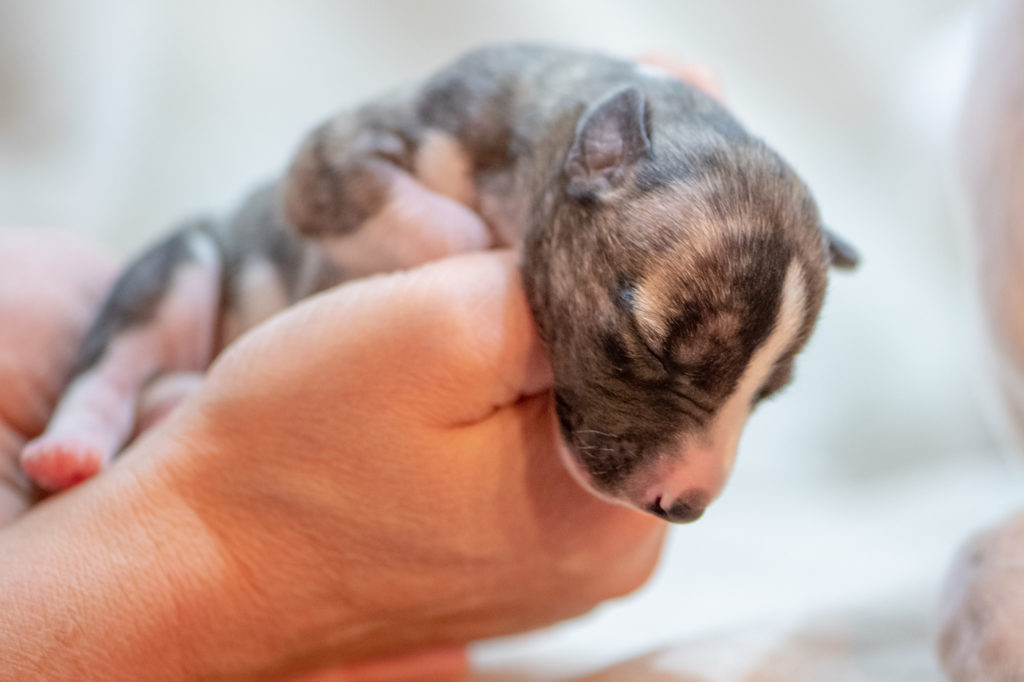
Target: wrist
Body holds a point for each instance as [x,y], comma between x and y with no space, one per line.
[112,580]
[244,599]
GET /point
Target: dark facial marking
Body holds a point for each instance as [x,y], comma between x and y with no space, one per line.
[615,351]
[703,345]
[608,458]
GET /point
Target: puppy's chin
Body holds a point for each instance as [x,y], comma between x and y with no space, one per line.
[585,481]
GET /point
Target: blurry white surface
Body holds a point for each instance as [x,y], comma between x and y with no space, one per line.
[763,557]
[118,118]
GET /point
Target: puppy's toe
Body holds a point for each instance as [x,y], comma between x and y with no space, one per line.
[59,462]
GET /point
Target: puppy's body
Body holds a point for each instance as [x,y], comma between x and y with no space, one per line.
[673,263]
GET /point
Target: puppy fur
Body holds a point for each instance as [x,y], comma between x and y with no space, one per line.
[674,264]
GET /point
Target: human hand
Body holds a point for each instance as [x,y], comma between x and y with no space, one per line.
[698,75]
[50,285]
[384,459]
[373,473]
[282,560]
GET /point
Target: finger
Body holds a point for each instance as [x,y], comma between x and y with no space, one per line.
[531,428]
[51,285]
[487,354]
[698,75]
[16,492]
[556,517]
[435,665]
[449,342]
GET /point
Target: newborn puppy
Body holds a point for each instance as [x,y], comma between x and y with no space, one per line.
[674,264]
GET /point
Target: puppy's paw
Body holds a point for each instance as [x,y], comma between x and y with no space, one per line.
[56,462]
[981,620]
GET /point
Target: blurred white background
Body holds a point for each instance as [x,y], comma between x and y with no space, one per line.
[118,117]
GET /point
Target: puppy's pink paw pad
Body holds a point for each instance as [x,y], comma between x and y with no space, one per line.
[56,463]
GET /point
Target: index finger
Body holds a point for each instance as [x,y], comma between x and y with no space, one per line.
[697,75]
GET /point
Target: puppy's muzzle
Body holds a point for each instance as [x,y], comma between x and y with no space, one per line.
[682,486]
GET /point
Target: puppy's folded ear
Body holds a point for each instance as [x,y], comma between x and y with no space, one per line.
[610,137]
[841,254]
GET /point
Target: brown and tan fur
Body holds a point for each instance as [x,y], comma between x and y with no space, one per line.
[674,263]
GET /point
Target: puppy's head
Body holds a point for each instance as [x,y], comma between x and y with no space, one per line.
[681,273]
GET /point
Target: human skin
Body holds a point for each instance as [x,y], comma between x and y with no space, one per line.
[50,285]
[161,569]
[372,473]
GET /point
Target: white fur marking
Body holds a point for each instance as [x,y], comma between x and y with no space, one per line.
[652,71]
[724,434]
[204,250]
[709,457]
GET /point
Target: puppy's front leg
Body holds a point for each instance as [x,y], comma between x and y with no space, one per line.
[378,197]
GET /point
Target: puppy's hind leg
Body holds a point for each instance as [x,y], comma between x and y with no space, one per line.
[383,196]
[161,316]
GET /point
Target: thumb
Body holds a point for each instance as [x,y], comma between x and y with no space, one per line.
[451,342]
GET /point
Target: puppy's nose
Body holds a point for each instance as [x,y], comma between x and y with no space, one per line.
[686,508]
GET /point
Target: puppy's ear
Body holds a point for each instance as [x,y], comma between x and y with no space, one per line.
[610,137]
[841,254]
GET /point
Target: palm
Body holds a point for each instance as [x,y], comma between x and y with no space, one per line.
[50,285]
